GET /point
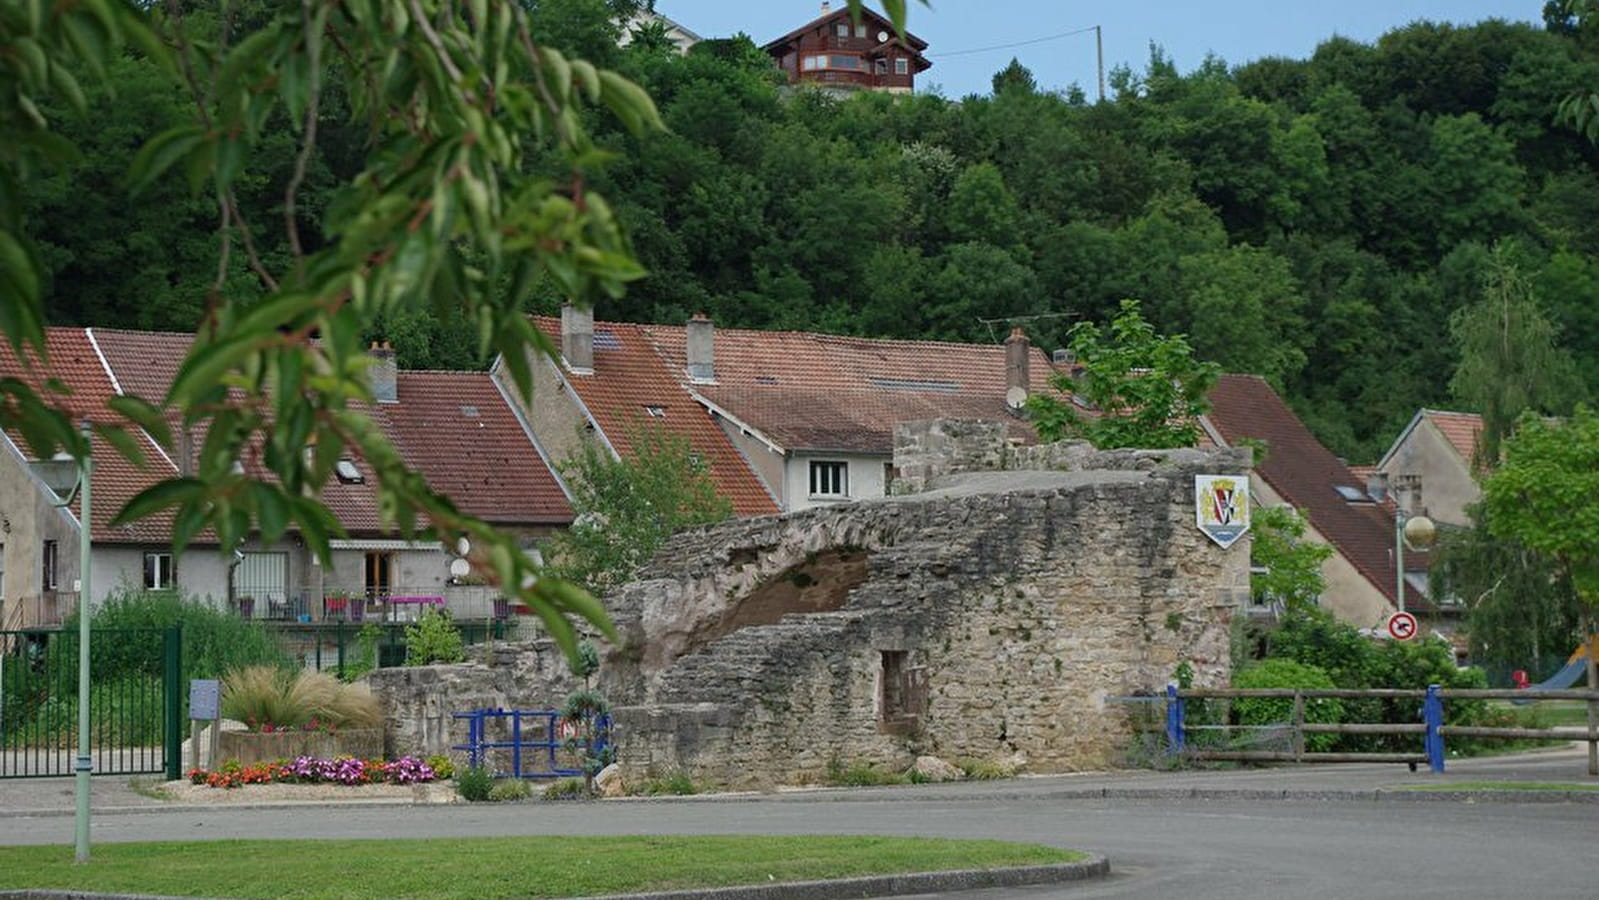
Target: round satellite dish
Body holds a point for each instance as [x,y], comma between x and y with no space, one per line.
[882,36]
[463,547]
[1016,397]
[460,568]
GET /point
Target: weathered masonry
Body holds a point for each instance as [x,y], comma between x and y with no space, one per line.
[988,616]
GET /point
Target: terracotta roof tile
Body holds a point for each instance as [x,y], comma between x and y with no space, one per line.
[630,377]
[1460,429]
[825,392]
[75,362]
[469,465]
[1306,474]
[457,429]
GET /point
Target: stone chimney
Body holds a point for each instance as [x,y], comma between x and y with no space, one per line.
[385,376]
[577,339]
[700,337]
[826,7]
[1018,352]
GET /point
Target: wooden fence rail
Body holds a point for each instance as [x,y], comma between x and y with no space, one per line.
[1431,728]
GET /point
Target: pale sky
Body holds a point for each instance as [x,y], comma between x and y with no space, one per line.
[1236,30]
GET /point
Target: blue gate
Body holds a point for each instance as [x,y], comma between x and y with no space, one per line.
[528,743]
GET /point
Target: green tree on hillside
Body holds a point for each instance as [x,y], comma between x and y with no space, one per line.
[1510,361]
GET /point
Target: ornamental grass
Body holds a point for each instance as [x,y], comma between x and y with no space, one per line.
[267,698]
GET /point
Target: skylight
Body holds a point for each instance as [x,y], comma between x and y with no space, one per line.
[606,340]
[347,472]
[916,384]
[1352,494]
[655,412]
[469,411]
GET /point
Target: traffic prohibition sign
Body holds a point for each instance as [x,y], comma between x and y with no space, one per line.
[1401,626]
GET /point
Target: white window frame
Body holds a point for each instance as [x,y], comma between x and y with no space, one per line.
[902,66]
[841,29]
[829,478]
[162,566]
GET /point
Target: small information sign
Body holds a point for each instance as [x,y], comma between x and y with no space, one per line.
[205,698]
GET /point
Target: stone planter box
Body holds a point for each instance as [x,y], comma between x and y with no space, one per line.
[254,747]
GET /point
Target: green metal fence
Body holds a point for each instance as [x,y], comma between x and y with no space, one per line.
[135,702]
[346,649]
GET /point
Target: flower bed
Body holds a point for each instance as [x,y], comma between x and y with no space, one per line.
[347,770]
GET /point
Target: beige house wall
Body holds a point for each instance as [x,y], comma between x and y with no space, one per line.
[1447,485]
[768,464]
[556,416]
[1346,593]
[28,518]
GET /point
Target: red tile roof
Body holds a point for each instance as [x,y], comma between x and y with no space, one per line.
[826,392]
[468,465]
[1305,474]
[629,377]
[75,362]
[1460,429]
[459,430]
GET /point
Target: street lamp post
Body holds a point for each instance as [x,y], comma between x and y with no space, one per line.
[69,478]
[1416,532]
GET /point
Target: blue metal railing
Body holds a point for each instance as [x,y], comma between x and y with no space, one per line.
[534,740]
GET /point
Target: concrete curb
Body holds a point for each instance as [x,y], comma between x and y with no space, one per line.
[1094,866]
[1365,795]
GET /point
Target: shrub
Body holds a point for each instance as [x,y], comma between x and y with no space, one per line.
[568,789]
[365,657]
[433,638]
[474,784]
[510,789]
[860,775]
[983,769]
[443,767]
[267,698]
[214,640]
[1285,673]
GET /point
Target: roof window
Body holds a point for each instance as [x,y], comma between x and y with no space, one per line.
[1352,494]
[347,472]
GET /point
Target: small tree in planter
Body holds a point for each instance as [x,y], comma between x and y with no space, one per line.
[590,713]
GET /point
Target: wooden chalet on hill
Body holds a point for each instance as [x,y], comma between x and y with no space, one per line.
[838,51]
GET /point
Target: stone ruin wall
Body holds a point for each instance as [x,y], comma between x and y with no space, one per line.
[754,651]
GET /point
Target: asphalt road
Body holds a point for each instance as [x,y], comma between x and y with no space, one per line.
[1239,843]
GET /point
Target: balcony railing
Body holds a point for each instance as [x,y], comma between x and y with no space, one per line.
[397,604]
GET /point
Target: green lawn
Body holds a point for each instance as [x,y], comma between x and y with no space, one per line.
[490,868]
[1501,786]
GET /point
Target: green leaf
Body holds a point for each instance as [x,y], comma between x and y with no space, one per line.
[161,153]
[163,495]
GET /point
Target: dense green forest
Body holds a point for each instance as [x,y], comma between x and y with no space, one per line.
[1315,221]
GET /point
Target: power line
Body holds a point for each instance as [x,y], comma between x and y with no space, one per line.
[1052,37]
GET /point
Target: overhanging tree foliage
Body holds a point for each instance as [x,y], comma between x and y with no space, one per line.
[472,186]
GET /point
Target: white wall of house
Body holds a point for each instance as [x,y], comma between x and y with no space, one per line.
[863,478]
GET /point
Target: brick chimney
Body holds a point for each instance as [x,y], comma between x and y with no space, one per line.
[384,375]
[577,339]
[1018,353]
[700,337]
